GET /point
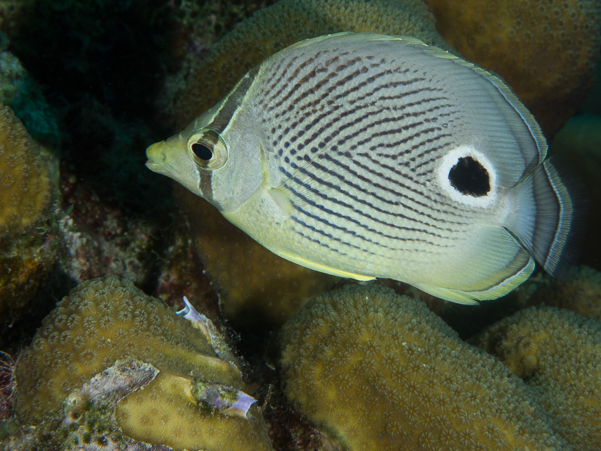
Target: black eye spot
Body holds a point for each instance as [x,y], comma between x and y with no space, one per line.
[469,177]
[202,151]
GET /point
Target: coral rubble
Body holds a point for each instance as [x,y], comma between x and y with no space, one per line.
[382,372]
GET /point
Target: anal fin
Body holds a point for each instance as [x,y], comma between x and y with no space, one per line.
[498,289]
[458,297]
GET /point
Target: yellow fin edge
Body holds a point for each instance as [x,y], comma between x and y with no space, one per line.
[494,292]
[323,268]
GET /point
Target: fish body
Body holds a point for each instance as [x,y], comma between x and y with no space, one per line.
[364,156]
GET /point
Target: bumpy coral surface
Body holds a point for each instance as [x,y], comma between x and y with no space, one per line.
[579,291]
[166,412]
[559,353]
[99,322]
[26,265]
[25,190]
[287,22]
[381,372]
[132,406]
[89,412]
[29,245]
[23,94]
[545,50]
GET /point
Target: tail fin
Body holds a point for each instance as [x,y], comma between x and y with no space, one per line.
[549,216]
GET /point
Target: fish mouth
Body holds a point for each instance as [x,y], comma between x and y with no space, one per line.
[156,157]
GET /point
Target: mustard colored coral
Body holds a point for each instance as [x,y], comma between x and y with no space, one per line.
[545,50]
[101,321]
[579,291]
[381,372]
[25,190]
[558,353]
[167,413]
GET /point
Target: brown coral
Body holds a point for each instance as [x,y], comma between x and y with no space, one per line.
[381,372]
[579,291]
[28,244]
[166,412]
[25,190]
[559,354]
[545,50]
[99,322]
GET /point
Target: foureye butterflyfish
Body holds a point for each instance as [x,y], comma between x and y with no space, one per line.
[364,156]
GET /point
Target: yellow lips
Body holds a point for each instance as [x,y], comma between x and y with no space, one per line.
[156,156]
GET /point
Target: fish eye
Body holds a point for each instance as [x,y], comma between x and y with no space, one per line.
[202,151]
[207,149]
[469,177]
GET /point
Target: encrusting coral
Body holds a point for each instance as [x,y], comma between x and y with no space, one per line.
[107,320]
[28,245]
[382,372]
[558,353]
[546,51]
[132,402]
[167,412]
[258,288]
[579,291]
[99,322]
[25,190]
[23,94]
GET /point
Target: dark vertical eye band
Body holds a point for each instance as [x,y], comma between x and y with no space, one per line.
[208,149]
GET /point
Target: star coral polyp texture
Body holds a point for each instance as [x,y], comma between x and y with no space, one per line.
[25,190]
[166,412]
[545,50]
[101,321]
[381,372]
[579,291]
[558,353]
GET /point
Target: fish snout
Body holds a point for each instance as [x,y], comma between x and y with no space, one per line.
[156,156]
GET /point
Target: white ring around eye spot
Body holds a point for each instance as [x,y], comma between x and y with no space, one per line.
[450,160]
